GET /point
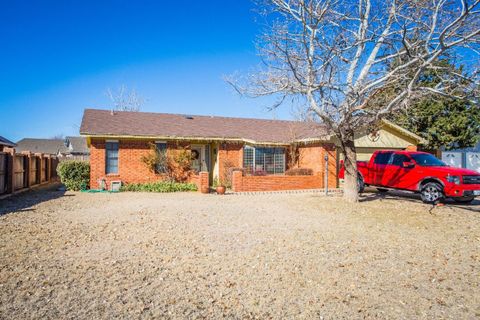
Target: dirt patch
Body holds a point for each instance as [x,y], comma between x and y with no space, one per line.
[264,256]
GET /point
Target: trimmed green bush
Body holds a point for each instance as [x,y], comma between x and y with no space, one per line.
[160,186]
[75,175]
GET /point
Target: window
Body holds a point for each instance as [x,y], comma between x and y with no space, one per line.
[264,160]
[162,153]
[382,157]
[111,157]
[427,160]
[399,159]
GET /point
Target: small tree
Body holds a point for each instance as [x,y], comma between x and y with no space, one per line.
[336,56]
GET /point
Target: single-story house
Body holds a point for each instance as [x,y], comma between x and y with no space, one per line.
[258,154]
[72,148]
[5,143]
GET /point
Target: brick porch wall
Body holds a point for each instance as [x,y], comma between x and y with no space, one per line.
[311,156]
[242,183]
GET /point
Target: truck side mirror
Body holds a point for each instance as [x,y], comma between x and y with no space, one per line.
[408,164]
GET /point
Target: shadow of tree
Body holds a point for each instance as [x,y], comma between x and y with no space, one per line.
[24,201]
[373,195]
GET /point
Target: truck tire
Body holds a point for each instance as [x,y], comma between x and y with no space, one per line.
[431,192]
[361,184]
[463,199]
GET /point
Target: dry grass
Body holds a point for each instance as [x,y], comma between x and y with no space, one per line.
[265,256]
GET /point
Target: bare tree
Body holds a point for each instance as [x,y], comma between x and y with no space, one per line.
[125,100]
[339,56]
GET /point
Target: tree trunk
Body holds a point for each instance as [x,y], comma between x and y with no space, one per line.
[350,189]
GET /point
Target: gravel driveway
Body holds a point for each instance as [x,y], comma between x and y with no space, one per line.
[135,255]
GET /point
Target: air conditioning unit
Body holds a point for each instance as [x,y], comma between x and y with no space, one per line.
[115,186]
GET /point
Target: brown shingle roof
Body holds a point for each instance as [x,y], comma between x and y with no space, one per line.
[49,146]
[104,123]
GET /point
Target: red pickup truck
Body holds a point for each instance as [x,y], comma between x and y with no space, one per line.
[418,172]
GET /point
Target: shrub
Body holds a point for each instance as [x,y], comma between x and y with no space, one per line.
[176,164]
[75,175]
[299,172]
[159,186]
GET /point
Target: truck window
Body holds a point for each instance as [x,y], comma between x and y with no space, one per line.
[382,157]
[399,159]
[427,160]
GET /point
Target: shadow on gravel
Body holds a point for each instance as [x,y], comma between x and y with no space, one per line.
[373,195]
[24,202]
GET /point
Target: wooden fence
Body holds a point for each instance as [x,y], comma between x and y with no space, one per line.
[22,171]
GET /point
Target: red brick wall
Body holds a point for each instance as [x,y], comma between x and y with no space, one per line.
[275,183]
[311,156]
[231,152]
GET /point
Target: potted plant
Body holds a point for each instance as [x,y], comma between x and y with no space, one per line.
[219,187]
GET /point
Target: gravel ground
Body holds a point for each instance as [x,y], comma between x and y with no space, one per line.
[134,255]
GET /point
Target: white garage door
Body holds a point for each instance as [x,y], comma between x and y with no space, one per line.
[453,159]
[473,161]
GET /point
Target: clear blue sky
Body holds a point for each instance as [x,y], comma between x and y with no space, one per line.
[59,57]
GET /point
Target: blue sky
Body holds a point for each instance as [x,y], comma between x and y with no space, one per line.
[59,57]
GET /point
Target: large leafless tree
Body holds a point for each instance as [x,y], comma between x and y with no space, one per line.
[340,56]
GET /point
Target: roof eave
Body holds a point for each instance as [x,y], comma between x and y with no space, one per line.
[89,136]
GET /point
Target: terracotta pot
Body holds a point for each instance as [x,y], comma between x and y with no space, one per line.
[221,189]
[205,189]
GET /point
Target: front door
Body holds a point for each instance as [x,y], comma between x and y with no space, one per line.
[200,158]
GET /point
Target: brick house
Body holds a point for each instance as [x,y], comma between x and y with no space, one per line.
[257,154]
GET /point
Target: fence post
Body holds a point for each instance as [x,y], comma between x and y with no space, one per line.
[27,176]
[10,170]
[48,168]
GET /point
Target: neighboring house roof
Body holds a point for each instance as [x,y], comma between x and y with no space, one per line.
[77,145]
[6,142]
[163,125]
[49,146]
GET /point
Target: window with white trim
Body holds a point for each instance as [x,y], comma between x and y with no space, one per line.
[266,160]
[111,157]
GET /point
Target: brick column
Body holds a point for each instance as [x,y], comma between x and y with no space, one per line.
[203,178]
[237,181]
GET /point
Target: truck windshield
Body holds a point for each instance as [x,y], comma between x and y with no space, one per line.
[427,160]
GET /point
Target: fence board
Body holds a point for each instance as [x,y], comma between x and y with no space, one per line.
[19,174]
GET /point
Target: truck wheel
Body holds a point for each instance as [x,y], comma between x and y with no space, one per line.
[361,184]
[463,199]
[382,190]
[431,192]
